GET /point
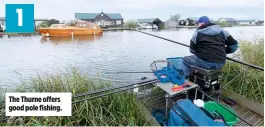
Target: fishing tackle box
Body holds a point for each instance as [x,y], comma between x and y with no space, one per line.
[207,79]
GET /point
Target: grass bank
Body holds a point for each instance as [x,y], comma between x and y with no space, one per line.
[120,109]
[249,82]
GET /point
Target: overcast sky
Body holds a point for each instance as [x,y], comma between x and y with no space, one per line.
[133,9]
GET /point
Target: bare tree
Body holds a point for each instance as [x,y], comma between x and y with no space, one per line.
[175,17]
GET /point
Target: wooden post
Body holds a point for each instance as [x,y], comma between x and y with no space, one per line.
[135,89]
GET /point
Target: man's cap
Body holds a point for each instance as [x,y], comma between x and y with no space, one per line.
[204,19]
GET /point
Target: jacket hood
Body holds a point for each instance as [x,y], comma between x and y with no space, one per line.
[211,30]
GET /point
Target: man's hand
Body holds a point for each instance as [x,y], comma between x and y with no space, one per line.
[231,44]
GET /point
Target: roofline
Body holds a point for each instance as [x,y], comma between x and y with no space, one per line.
[100,13]
[149,18]
[87,13]
[114,13]
[104,14]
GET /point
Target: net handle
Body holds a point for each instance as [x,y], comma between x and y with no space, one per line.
[157,61]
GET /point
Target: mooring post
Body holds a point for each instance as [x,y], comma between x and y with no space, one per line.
[135,89]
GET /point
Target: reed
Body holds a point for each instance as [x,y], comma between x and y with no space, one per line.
[121,109]
[250,82]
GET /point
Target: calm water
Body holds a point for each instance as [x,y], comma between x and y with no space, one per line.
[24,57]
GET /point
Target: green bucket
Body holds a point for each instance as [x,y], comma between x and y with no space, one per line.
[230,118]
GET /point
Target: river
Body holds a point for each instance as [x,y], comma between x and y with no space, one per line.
[24,57]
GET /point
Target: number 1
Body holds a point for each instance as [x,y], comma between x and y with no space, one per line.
[19,12]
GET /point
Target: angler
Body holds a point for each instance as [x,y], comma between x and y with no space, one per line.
[210,44]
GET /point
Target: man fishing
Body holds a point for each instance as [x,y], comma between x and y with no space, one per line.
[209,44]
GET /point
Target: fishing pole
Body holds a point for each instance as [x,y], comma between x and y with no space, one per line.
[231,59]
[102,95]
[224,107]
[112,88]
[120,72]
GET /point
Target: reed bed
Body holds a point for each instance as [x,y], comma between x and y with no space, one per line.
[121,109]
[249,82]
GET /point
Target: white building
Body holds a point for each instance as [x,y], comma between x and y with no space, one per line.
[247,22]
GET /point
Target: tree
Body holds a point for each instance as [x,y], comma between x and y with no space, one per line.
[130,24]
[223,23]
[43,24]
[175,17]
[53,21]
[162,26]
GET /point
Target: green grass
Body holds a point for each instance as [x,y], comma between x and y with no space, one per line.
[121,109]
[250,82]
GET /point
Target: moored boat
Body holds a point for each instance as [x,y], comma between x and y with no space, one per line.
[80,28]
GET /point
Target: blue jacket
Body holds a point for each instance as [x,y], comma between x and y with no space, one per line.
[211,43]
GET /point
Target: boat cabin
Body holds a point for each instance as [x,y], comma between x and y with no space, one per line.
[58,26]
[81,24]
[84,24]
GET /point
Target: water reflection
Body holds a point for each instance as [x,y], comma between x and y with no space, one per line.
[70,39]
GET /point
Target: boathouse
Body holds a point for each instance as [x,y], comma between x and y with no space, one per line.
[182,22]
[153,22]
[192,21]
[102,19]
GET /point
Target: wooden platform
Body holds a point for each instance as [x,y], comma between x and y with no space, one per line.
[158,101]
[248,115]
